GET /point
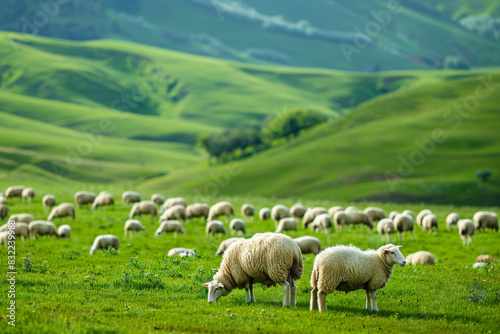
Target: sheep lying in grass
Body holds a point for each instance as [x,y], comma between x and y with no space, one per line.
[385,227]
[14,191]
[311,214]
[237,226]
[334,209]
[130,196]
[225,244]
[220,209]
[421,216]
[278,212]
[40,227]
[182,252]
[264,214]
[170,202]
[341,219]
[348,268]
[485,219]
[84,197]
[170,226]
[322,222]
[287,224]
[64,231]
[132,225]
[176,212]
[486,258]
[309,244]
[421,257]
[452,220]
[4,211]
[20,230]
[21,218]
[144,207]
[48,201]
[298,210]
[103,199]
[197,210]
[466,230]
[267,258]
[248,210]
[403,223]
[28,193]
[104,241]
[158,199]
[215,227]
[430,223]
[62,210]
[374,213]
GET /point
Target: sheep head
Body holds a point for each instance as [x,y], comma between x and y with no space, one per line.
[215,291]
[393,255]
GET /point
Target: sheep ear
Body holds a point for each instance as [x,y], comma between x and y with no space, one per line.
[221,285]
[386,251]
[398,246]
[205,285]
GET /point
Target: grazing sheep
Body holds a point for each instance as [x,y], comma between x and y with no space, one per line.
[64,231]
[430,223]
[215,227]
[143,207]
[28,193]
[264,214]
[20,230]
[374,213]
[421,257]
[182,252]
[466,230]
[278,212]
[421,216]
[309,244]
[132,225]
[130,196]
[486,258]
[4,211]
[248,210]
[220,209]
[103,199]
[312,213]
[197,210]
[21,218]
[348,268]
[237,225]
[361,218]
[158,199]
[3,199]
[322,222]
[385,227]
[485,219]
[452,220]
[170,226]
[84,197]
[403,223]
[176,212]
[287,224]
[62,210]
[409,213]
[48,201]
[4,238]
[267,258]
[225,244]
[104,242]
[340,219]
[393,214]
[298,210]
[173,201]
[352,209]
[334,209]
[14,191]
[41,227]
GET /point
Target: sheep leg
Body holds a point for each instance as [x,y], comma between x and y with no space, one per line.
[248,298]
[321,301]
[413,235]
[293,290]
[374,299]
[286,293]
[368,302]
[314,299]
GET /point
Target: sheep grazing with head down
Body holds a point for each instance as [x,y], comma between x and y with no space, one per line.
[197,210]
[84,198]
[182,252]
[352,209]
[220,209]
[215,227]
[322,222]
[385,227]
[237,226]
[361,218]
[103,199]
[143,208]
[298,210]
[430,223]
[62,210]
[14,191]
[311,214]
[48,201]
[287,224]
[64,231]
[130,196]
[176,212]
[28,193]
[4,211]
[264,214]
[421,215]
[41,227]
[104,242]
[309,244]
[21,218]
[421,257]
[267,258]
[132,225]
[348,268]
[158,199]
[248,211]
[4,238]
[486,219]
[409,213]
[170,202]
[341,219]
[374,213]
[452,220]
[334,209]
[278,212]
[466,230]
[403,223]
[3,199]
[225,244]
[20,230]
[170,226]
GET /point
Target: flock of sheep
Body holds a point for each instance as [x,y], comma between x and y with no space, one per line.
[267,258]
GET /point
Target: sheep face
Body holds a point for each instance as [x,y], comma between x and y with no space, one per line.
[394,256]
[215,291]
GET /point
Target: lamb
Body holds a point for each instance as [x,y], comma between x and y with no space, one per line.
[104,241]
[486,258]
[429,223]
[21,218]
[335,209]
[298,210]
[62,210]
[466,230]
[311,214]
[452,220]
[264,214]
[48,201]
[176,212]
[130,196]
[182,252]
[40,227]
[322,222]
[403,223]
[225,244]
[64,231]
[170,226]
[361,218]
[4,211]
[143,207]
[385,227]
[237,225]
[278,212]
[309,244]
[287,224]
[83,198]
[348,268]
[28,193]
[374,213]
[421,216]
[393,214]
[103,199]
[20,230]
[220,209]
[421,257]
[173,201]
[247,210]
[197,210]
[14,191]
[267,258]
[485,219]
[215,227]
[340,219]
[158,199]
[132,225]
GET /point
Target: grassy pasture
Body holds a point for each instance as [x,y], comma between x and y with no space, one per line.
[60,287]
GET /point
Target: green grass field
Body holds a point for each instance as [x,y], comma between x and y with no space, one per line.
[60,287]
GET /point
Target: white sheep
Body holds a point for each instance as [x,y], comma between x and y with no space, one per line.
[197,210]
[143,207]
[486,219]
[225,244]
[309,244]
[393,214]
[264,214]
[430,223]
[4,211]
[220,209]
[170,226]
[352,209]
[132,225]
[20,230]
[248,210]
[312,213]
[237,225]
[298,210]
[103,199]
[466,230]
[385,227]
[48,201]
[374,213]
[361,218]
[182,252]
[452,220]
[84,197]
[421,216]
[266,258]
[14,191]
[421,257]
[104,242]
[41,227]
[278,212]
[3,199]
[21,218]
[341,219]
[348,268]
[130,196]
[170,202]
[486,258]
[28,193]
[287,224]
[176,212]
[409,213]
[62,210]
[215,227]
[158,199]
[4,238]
[64,231]
[334,209]
[403,223]
[322,222]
